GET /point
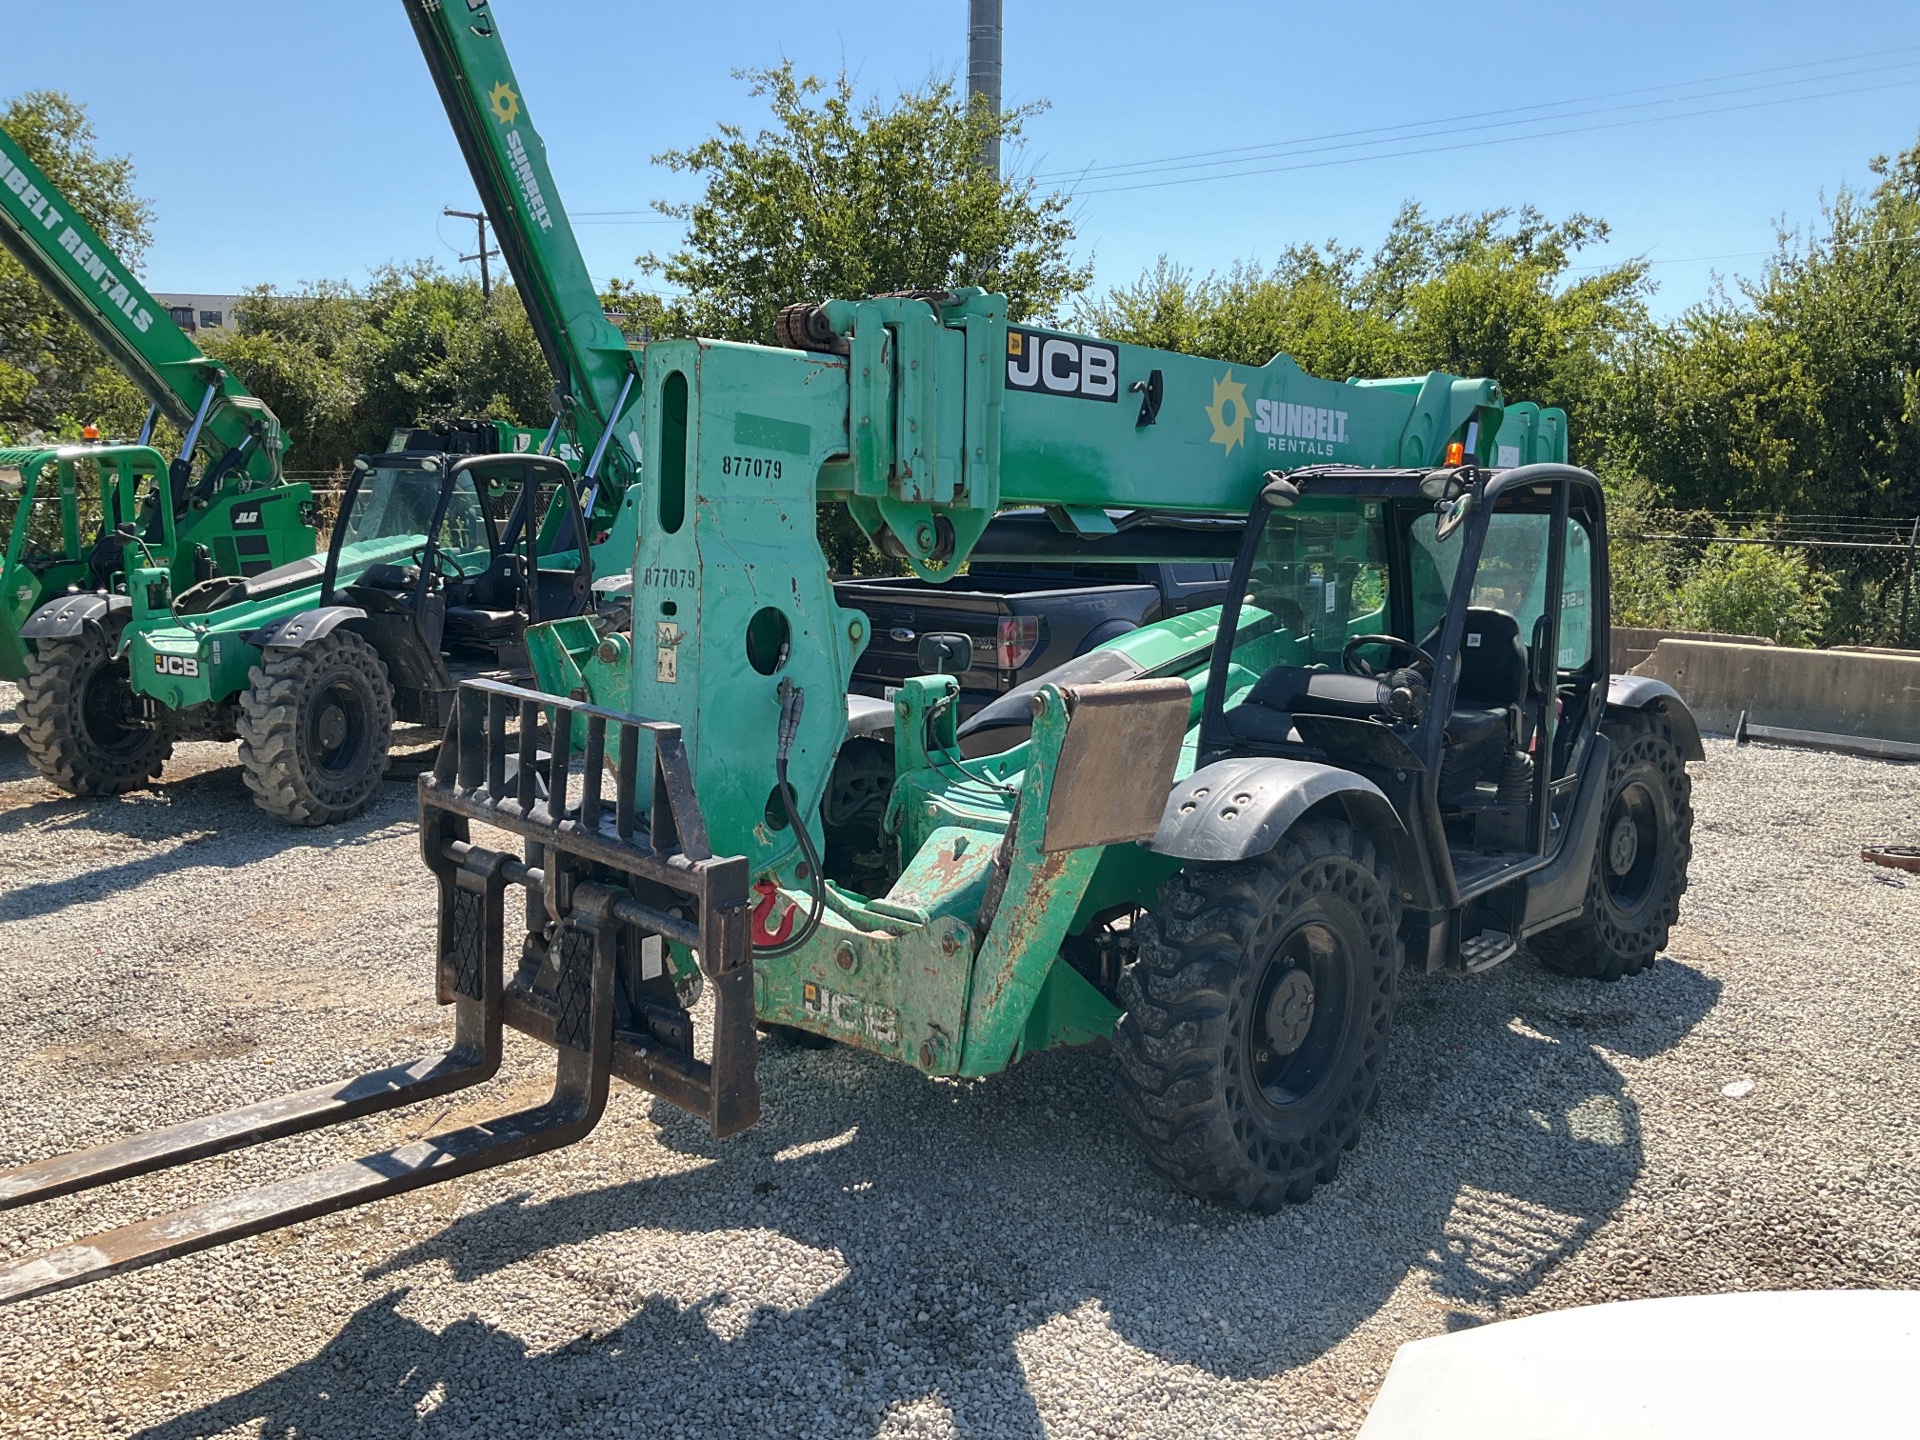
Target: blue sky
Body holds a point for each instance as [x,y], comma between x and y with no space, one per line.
[282,143]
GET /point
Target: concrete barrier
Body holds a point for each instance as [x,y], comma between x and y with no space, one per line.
[1861,694]
[1632,644]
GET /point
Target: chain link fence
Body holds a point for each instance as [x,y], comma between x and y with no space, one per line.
[1800,579]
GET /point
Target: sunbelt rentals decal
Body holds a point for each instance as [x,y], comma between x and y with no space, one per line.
[37,209]
[1289,429]
[506,109]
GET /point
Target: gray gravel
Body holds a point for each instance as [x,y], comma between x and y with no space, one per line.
[887,1255]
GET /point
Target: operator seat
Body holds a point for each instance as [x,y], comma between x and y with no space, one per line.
[1486,705]
[489,611]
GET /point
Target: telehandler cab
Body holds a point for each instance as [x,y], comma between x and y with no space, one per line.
[1217,844]
[311,664]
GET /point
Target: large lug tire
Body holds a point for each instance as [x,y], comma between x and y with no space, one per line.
[315,726]
[81,723]
[1257,1016]
[1640,863]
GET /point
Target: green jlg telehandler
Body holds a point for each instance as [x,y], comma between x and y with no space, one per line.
[1215,849]
[77,519]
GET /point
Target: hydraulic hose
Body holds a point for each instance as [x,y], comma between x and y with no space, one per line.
[793,701]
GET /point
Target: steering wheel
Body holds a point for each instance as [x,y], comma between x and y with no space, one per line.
[1354,663]
[442,564]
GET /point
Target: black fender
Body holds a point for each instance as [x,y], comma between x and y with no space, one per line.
[303,629]
[1241,806]
[867,716]
[1643,692]
[66,617]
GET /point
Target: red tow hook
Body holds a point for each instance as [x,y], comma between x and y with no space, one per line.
[763,934]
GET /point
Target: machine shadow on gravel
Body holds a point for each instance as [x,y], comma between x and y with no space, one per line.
[972,1215]
[233,834]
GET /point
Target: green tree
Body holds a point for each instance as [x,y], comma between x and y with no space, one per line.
[345,366]
[842,198]
[1798,391]
[53,378]
[1492,294]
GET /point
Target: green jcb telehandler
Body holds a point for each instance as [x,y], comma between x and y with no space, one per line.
[81,521]
[1217,846]
[74,519]
[438,559]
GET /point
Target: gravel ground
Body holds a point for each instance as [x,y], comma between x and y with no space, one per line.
[888,1255]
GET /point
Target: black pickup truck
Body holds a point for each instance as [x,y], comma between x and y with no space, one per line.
[1032,600]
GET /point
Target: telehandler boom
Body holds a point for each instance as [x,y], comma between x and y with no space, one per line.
[1223,837]
[199,530]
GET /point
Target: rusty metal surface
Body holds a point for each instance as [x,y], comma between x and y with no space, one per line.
[1894,857]
[1116,764]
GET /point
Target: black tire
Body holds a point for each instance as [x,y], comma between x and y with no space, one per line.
[315,726]
[1217,1104]
[80,722]
[1640,863]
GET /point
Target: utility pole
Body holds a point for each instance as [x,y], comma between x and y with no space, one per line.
[479,218]
[983,71]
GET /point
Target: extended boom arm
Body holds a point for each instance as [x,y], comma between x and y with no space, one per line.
[592,365]
[78,269]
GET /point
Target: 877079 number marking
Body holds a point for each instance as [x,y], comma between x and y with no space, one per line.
[751,465]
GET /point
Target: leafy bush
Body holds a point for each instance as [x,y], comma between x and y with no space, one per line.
[1757,589]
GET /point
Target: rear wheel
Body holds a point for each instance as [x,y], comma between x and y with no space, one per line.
[315,725]
[1258,1012]
[81,723]
[1640,864]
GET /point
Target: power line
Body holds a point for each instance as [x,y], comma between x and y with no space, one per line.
[1389,133]
[1497,140]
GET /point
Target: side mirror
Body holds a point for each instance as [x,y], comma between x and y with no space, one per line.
[945,653]
[1451,513]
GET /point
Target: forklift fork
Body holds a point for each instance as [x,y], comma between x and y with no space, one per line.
[589,927]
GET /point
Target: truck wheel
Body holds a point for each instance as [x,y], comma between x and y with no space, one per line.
[1257,1016]
[80,722]
[1640,863]
[314,727]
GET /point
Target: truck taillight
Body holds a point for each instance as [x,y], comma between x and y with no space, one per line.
[1019,638]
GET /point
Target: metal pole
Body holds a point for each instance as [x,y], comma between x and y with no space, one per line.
[1906,599]
[983,71]
[479,218]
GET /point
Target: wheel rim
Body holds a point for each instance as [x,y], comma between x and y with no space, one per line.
[110,712]
[1298,1018]
[337,730]
[1632,841]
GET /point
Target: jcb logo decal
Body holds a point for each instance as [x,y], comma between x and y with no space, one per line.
[177,665]
[1060,365]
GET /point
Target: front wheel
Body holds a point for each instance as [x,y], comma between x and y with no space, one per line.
[81,723]
[1258,1012]
[1640,863]
[315,726]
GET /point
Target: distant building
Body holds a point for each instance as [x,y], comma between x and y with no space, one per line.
[201,312]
